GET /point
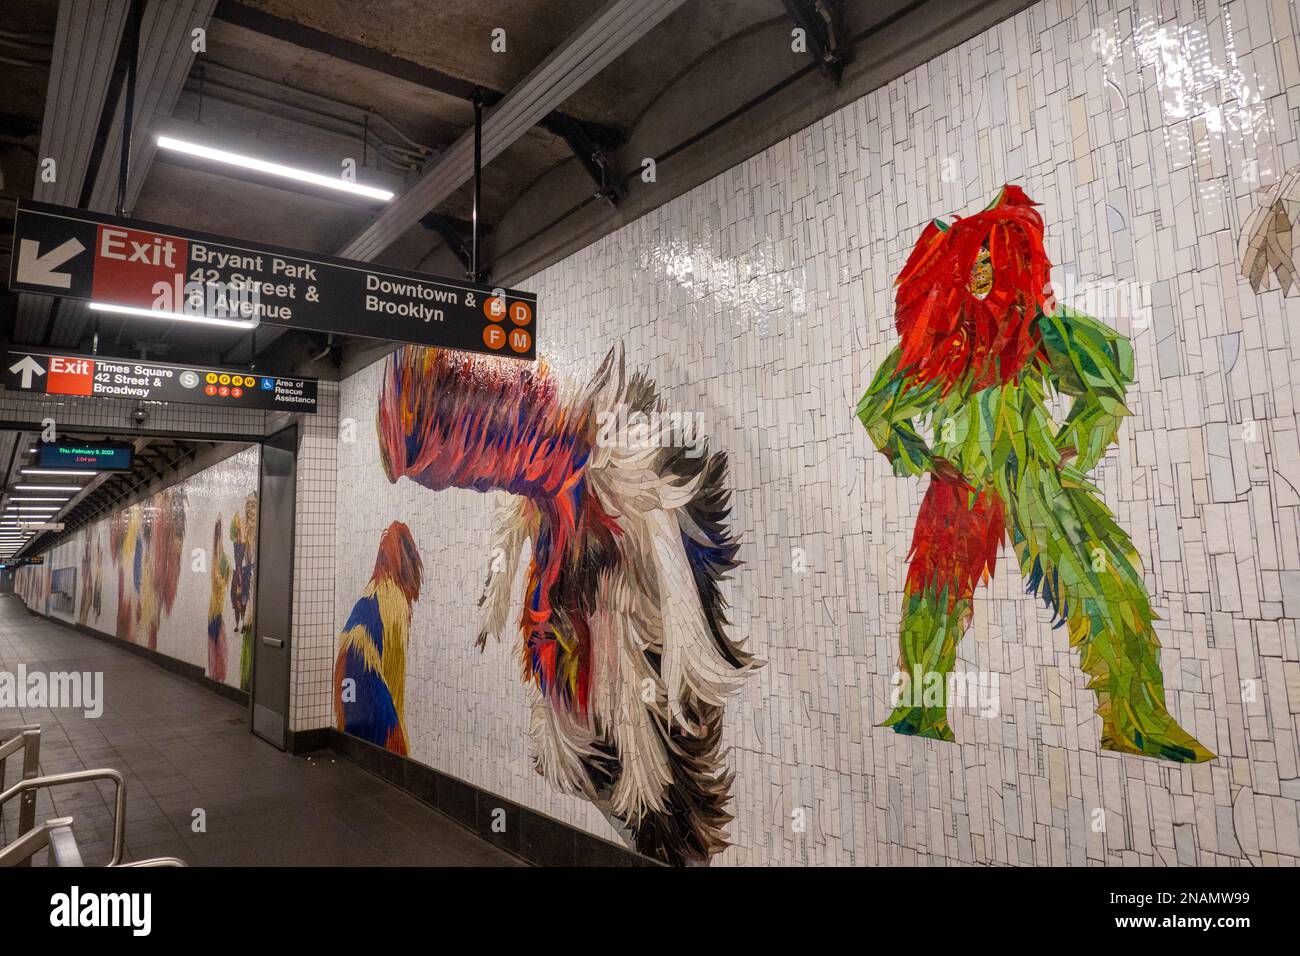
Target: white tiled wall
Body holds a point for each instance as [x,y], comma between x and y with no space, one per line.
[315,517]
[762,299]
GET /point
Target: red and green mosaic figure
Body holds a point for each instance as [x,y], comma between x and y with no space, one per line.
[982,350]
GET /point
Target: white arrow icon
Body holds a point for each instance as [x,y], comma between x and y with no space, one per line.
[28,366]
[39,269]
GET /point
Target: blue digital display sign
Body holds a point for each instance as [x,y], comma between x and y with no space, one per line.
[85,456]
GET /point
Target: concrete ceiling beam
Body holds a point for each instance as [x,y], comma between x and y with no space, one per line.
[166,58]
[86,39]
[600,41]
[166,55]
[597,44]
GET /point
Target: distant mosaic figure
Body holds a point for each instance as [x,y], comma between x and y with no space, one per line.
[370,672]
[97,600]
[1270,239]
[982,348]
[622,637]
[243,543]
[145,542]
[89,580]
[220,573]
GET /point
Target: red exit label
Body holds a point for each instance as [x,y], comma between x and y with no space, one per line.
[70,376]
[129,262]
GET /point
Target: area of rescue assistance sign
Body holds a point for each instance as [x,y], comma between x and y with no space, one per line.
[125,265]
[101,376]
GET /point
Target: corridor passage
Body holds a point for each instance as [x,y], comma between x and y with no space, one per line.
[184,749]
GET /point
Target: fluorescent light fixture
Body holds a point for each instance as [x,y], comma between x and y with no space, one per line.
[57,471]
[175,316]
[37,498]
[272,169]
[73,488]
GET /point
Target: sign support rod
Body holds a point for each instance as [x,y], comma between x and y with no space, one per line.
[128,108]
[477,99]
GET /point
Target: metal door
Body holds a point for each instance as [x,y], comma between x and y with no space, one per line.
[274,620]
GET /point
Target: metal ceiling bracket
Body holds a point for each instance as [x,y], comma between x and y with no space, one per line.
[820,20]
[453,234]
[593,156]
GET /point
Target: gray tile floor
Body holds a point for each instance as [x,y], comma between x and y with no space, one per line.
[183,748]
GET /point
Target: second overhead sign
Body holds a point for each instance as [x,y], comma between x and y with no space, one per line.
[134,267]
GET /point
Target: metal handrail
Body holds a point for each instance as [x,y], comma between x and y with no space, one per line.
[19,739]
[156,861]
[81,776]
[21,851]
[28,740]
[64,851]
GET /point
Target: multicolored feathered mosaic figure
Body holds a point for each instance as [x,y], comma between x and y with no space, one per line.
[97,600]
[88,576]
[622,640]
[370,673]
[146,541]
[220,573]
[982,346]
[243,544]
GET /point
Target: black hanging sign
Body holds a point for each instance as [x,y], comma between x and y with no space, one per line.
[131,267]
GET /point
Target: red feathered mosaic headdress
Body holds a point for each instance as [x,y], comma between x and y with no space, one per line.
[969,294]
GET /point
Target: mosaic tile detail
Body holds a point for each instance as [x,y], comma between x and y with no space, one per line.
[762,300]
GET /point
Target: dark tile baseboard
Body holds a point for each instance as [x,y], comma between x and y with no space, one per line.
[309,741]
[533,837]
[191,672]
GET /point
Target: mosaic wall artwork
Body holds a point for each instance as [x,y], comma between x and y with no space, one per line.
[172,572]
[370,673]
[983,347]
[1270,239]
[145,541]
[91,600]
[761,303]
[243,553]
[622,635]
